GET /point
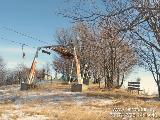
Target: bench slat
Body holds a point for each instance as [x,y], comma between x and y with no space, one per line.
[133,88]
[133,85]
[133,82]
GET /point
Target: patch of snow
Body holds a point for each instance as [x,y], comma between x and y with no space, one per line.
[17,97]
[34,117]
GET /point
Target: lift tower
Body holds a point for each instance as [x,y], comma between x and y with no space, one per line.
[62,50]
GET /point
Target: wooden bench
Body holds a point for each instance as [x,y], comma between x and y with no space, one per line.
[134,86]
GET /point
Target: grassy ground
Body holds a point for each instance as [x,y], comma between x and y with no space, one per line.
[124,100]
[42,109]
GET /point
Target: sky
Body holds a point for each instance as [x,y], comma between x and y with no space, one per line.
[37,19]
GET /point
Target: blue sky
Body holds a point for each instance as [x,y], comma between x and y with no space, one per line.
[37,18]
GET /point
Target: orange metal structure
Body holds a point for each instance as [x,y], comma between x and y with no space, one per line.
[61,50]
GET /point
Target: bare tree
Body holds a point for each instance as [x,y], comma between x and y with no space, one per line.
[62,64]
[2,71]
[150,60]
[138,20]
[11,77]
[125,16]
[106,55]
[40,74]
[117,56]
[22,72]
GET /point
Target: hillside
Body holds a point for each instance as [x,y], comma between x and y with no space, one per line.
[56,102]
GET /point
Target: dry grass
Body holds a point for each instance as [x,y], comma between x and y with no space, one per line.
[5,107]
[79,113]
[69,112]
[94,90]
[64,111]
[90,111]
[53,86]
[123,99]
[14,117]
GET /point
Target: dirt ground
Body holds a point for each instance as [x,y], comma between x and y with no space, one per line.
[56,102]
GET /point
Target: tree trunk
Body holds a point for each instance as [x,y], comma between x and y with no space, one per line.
[159,91]
[105,82]
[121,82]
[158,85]
[109,82]
[99,83]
